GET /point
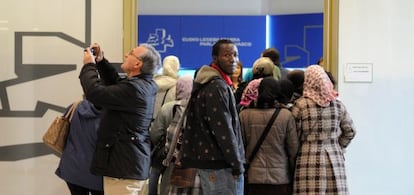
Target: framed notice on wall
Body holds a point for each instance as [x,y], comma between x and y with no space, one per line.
[358,72]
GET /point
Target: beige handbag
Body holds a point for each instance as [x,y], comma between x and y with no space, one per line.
[57,133]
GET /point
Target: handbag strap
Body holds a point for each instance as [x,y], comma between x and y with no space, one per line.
[176,125]
[71,110]
[263,136]
[165,96]
[179,129]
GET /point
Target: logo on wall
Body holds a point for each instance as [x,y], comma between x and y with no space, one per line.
[160,40]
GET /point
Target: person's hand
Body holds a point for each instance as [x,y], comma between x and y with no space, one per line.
[98,52]
[88,56]
[236,173]
[236,177]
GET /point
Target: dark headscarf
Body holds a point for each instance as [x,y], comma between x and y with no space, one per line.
[297,77]
[286,91]
[269,90]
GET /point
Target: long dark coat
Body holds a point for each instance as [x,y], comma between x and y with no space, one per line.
[123,146]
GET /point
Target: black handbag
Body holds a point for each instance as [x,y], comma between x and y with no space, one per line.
[158,153]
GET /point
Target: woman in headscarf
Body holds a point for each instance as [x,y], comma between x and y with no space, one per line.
[271,170]
[250,94]
[297,77]
[325,129]
[166,82]
[262,67]
[168,116]
[166,93]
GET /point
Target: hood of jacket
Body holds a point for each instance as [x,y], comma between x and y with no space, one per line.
[171,66]
[87,109]
[204,75]
[164,82]
[184,87]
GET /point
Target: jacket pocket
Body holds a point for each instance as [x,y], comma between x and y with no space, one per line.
[102,154]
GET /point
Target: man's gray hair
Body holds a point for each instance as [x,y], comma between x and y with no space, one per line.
[151,60]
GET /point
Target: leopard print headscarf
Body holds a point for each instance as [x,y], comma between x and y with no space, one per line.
[317,86]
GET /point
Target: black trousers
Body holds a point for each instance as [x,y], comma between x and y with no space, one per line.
[79,190]
[284,189]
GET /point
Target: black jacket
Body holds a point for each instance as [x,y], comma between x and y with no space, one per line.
[212,136]
[123,146]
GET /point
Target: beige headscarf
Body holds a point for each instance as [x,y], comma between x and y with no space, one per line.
[184,87]
[171,66]
[317,86]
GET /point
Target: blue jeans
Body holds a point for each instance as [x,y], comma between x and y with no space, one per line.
[155,174]
[220,181]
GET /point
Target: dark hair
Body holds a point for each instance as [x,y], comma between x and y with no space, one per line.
[297,77]
[286,91]
[240,78]
[196,72]
[217,46]
[273,54]
[269,90]
[331,77]
[319,61]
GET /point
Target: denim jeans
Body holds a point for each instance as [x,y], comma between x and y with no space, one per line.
[220,181]
[155,174]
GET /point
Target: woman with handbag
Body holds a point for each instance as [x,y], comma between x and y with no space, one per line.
[77,154]
[271,145]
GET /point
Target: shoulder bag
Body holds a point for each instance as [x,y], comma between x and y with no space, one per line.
[57,133]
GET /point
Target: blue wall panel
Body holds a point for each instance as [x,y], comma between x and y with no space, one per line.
[299,38]
[191,37]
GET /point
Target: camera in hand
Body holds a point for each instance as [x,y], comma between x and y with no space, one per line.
[93,51]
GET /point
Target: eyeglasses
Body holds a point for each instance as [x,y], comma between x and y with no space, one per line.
[132,54]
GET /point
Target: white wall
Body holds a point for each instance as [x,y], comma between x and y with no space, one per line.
[228,7]
[18,94]
[380,159]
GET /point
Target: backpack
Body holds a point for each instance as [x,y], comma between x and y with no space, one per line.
[158,153]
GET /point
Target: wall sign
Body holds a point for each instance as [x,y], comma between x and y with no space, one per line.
[358,72]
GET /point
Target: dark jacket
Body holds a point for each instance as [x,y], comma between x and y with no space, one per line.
[212,137]
[77,155]
[239,91]
[123,146]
